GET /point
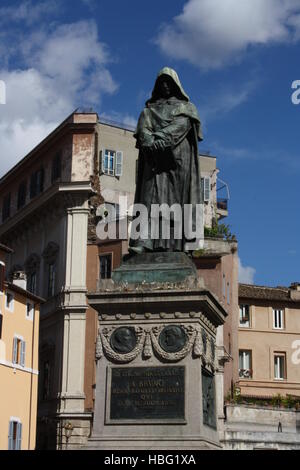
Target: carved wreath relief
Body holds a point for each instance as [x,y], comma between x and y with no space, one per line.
[168,342]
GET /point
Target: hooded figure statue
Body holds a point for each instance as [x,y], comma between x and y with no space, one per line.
[167,137]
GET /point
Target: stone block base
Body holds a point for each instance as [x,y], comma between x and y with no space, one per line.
[151,444]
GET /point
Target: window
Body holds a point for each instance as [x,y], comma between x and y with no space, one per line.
[1,323]
[228,293]
[15,435]
[18,351]
[245,316]
[105,266]
[279,366]
[31,282]
[6,207]
[37,183]
[56,167]
[245,364]
[112,162]
[9,302]
[117,209]
[22,195]
[278,319]
[205,185]
[51,279]
[29,311]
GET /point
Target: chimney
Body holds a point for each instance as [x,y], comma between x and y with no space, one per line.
[295,291]
[19,279]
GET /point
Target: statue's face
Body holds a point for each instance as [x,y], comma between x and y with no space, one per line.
[166,87]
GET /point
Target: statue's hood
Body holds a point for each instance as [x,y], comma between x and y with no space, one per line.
[173,75]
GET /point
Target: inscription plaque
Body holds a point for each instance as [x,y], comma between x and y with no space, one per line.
[147,393]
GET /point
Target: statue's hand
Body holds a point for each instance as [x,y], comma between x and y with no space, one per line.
[159,145]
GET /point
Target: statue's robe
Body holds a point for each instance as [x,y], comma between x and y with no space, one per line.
[171,176]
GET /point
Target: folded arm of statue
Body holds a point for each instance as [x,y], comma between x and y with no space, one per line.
[174,133]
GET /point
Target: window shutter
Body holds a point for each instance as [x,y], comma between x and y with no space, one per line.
[10,435]
[15,350]
[119,164]
[22,361]
[102,160]
[19,436]
[206,189]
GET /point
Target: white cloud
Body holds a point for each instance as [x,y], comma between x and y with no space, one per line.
[64,69]
[213,33]
[28,11]
[246,274]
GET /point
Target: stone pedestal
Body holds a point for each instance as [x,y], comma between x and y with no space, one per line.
[156,361]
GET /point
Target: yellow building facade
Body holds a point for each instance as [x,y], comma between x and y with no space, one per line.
[269,341]
[19,336]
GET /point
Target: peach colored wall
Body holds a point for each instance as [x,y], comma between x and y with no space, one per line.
[263,340]
[18,385]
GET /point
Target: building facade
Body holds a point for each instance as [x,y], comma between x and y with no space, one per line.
[51,203]
[19,337]
[269,340]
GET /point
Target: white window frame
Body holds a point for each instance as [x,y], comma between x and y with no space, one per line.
[12,304]
[206,188]
[110,156]
[114,159]
[31,311]
[277,357]
[278,319]
[15,444]
[248,323]
[15,358]
[247,372]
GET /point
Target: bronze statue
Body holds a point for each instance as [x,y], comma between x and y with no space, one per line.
[167,137]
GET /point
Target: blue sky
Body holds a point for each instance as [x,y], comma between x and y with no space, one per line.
[237,60]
